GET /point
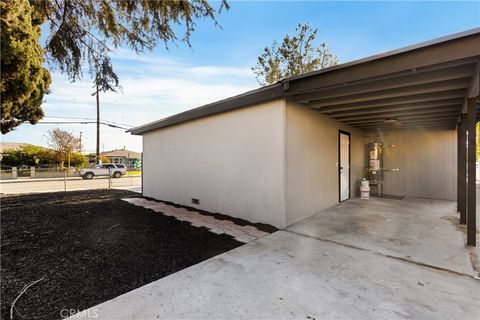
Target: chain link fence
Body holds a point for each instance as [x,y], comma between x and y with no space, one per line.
[32,180]
[37,173]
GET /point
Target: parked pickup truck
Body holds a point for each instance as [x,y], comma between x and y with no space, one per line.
[115,170]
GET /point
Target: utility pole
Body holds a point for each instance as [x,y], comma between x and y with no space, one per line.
[98,126]
[80,142]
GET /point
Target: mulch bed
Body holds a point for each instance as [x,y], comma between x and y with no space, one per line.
[89,247]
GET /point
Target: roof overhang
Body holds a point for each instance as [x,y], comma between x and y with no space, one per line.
[425,85]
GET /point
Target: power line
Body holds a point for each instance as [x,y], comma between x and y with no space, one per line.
[82,122]
[64,122]
[79,118]
[68,117]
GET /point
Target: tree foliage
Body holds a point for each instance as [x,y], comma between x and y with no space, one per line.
[31,155]
[28,155]
[24,80]
[78,159]
[104,159]
[90,30]
[82,35]
[63,143]
[296,55]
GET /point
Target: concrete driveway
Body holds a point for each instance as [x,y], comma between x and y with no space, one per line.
[359,260]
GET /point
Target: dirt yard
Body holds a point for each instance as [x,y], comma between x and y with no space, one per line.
[89,247]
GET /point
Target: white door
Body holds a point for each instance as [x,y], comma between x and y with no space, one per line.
[344,165]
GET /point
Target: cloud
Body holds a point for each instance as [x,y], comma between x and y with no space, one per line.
[170,67]
[153,87]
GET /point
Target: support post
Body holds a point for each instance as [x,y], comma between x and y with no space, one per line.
[68,163]
[459,181]
[109,178]
[462,169]
[65,180]
[471,174]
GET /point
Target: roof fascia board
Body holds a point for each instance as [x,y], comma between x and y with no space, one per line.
[421,45]
[437,53]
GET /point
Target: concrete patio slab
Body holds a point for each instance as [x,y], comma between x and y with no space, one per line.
[290,276]
[420,230]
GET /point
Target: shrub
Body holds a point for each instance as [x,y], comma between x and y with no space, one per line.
[78,160]
[28,155]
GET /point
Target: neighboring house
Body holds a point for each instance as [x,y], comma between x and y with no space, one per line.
[287,151]
[132,159]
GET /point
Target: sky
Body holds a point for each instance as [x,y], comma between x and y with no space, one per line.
[218,65]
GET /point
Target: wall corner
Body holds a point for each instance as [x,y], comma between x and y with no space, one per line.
[284,160]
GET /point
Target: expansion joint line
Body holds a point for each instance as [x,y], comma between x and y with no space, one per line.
[421,264]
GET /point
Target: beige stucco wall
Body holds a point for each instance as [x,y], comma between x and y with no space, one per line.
[312,161]
[232,162]
[426,160]
[277,163]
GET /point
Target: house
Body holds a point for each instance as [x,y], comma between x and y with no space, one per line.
[132,159]
[287,151]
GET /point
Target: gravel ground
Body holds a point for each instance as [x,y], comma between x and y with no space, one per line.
[89,247]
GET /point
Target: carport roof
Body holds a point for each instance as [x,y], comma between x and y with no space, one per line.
[424,85]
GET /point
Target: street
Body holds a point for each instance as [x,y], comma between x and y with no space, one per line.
[50,185]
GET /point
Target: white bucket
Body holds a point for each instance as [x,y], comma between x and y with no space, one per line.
[365,184]
[364,192]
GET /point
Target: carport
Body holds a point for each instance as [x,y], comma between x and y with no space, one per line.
[287,151]
[432,85]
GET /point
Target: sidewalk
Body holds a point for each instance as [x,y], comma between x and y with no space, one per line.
[21,180]
[71,184]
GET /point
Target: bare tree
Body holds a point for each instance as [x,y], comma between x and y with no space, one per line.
[63,143]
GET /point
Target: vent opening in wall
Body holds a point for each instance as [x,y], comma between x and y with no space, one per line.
[195,201]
